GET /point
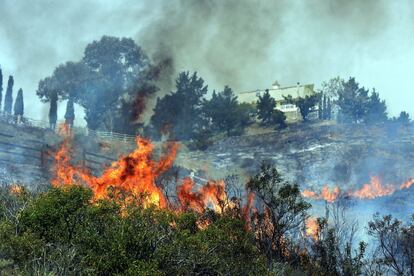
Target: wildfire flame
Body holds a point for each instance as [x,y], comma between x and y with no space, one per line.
[134,176]
[326,194]
[312,228]
[370,190]
[373,189]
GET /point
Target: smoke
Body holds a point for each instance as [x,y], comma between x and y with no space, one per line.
[248,44]
[241,43]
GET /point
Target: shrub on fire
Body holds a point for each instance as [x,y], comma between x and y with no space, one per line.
[62,232]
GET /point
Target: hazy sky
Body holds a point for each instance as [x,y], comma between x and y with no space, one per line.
[245,44]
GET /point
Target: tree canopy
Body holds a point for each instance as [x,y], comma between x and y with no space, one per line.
[19,104]
[179,113]
[305,104]
[357,105]
[106,76]
[8,99]
[265,106]
[225,112]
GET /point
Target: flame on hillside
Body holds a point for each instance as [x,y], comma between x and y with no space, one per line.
[134,177]
[375,188]
[327,194]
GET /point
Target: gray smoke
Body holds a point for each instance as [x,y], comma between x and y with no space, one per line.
[245,44]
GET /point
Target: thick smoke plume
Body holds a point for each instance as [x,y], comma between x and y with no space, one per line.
[248,44]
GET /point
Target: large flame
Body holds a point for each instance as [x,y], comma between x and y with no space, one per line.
[132,176]
[373,189]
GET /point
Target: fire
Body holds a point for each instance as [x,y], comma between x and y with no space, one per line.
[330,195]
[212,194]
[370,190]
[326,194]
[132,176]
[312,228]
[373,189]
[16,189]
[407,184]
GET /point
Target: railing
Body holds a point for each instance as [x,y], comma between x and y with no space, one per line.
[111,135]
[28,122]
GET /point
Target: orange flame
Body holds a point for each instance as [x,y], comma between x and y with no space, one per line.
[133,175]
[212,194]
[373,189]
[370,190]
[326,194]
[312,228]
[407,184]
[16,189]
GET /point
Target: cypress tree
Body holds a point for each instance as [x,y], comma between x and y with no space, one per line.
[53,110]
[329,109]
[1,87]
[8,99]
[19,104]
[320,109]
[70,113]
[324,104]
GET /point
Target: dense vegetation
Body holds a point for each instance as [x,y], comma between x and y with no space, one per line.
[60,232]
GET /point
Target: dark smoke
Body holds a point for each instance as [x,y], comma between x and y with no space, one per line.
[236,42]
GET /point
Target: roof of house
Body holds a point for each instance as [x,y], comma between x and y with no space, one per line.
[278,93]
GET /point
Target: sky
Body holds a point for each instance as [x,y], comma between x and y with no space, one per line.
[247,44]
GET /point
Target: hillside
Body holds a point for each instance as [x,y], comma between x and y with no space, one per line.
[315,154]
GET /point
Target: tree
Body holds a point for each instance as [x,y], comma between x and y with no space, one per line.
[395,244]
[376,109]
[305,104]
[19,104]
[284,211]
[1,87]
[279,118]
[53,110]
[70,113]
[265,107]
[112,71]
[403,118]
[329,110]
[226,113]
[179,113]
[352,101]
[247,113]
[8,99]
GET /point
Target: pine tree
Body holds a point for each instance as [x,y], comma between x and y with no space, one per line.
[1,87]
[223,110]
[70,113]
[8,99]
[19,104]
[53,110]
[265,106]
